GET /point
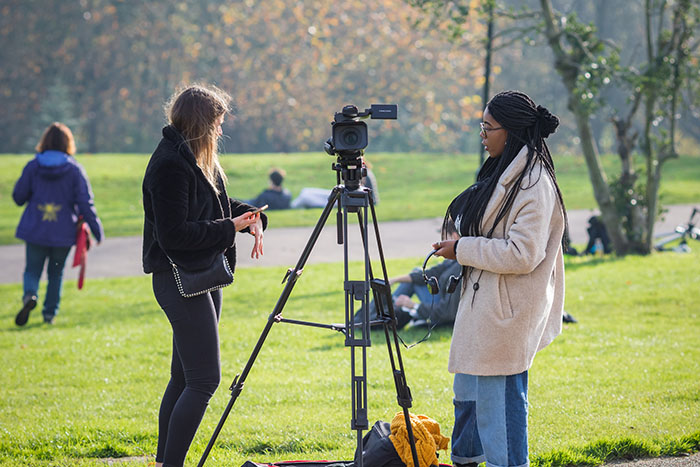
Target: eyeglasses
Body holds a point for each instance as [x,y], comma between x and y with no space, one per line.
[484,130]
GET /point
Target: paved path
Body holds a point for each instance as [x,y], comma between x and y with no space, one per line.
[121,256]
[686,461]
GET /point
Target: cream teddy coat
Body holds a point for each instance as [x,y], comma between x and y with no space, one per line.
[517,309]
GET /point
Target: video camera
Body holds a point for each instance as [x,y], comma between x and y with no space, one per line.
[349,138]
[349,134]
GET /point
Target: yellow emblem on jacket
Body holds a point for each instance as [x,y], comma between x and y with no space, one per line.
[50,211]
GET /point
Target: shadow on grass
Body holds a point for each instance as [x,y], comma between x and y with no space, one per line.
[425,334]
[408,336]
[274,448]
[30,325]
[573,263]
[91,444]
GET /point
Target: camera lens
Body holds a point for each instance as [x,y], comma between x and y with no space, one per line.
[350,137]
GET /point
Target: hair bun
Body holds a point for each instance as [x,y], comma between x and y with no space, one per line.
[548,121]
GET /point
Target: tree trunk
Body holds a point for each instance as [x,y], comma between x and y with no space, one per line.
[601,190]
[634,211]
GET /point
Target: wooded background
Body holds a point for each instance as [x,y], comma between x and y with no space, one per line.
[105,67]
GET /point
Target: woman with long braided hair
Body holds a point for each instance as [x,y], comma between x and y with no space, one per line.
[511,224]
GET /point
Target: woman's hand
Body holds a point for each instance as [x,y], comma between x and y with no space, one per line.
[254,223]
[445,248]
[256,230]
[245,220]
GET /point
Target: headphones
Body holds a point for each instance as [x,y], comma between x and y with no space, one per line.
[432,281]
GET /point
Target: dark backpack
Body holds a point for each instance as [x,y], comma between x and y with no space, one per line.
[378,450]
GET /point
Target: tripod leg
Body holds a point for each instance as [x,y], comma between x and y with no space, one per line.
[357,337]
[292,276]
[403,392]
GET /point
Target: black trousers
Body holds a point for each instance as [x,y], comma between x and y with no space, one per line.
[195,370]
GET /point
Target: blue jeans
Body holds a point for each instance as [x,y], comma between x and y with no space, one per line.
[490,420]
[409,288]
[36,256]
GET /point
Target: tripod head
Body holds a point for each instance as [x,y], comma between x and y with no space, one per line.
[349,139]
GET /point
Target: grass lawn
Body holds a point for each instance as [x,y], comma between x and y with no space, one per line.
[622,382]
[411,186]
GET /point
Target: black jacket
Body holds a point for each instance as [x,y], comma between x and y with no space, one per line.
[182,214]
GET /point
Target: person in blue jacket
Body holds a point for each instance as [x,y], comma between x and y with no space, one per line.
[56,191]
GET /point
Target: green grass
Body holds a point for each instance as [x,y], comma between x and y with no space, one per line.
[411,186]
[622,382]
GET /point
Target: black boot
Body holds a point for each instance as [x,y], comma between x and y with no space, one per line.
[23,315]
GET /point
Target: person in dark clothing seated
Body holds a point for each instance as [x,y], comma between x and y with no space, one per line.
[275,196]
[596,230]
[439,309]
[311,197]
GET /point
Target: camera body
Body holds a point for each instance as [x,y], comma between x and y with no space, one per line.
[349,136]
[349,139]
[349,133]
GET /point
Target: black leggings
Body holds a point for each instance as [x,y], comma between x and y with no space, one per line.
[195,371]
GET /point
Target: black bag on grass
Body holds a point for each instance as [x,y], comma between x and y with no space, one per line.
[300,464]
[379,451]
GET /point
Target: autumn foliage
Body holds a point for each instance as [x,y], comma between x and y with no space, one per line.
[106,67]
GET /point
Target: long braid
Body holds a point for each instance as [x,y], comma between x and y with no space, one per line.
[527,125]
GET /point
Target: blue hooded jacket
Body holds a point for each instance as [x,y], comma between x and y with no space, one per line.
[56,190]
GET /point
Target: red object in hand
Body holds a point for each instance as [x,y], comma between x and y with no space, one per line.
[82,245]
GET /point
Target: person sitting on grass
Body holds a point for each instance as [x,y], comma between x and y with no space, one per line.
[597,231]
[275,196]
[311,197]
[438,309]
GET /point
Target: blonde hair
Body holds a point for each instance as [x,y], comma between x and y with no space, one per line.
[194,111]
[57,137]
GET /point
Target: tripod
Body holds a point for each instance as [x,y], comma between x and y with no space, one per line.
[350,198]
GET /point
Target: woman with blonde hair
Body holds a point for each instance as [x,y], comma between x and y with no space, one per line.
[190,221]
[57,192]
